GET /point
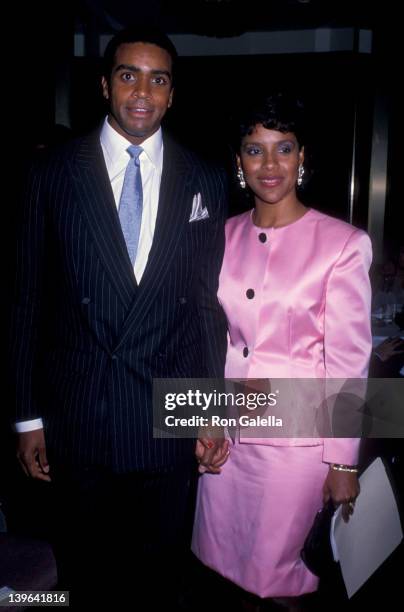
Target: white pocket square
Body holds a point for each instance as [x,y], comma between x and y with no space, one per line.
[198,212]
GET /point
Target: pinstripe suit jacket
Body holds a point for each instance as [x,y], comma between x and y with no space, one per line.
[106,336]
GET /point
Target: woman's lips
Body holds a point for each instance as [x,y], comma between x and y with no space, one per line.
[271,181]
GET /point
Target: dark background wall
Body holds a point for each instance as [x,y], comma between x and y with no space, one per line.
[340,87]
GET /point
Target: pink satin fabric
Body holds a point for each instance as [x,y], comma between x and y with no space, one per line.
[310,314]
[308,317]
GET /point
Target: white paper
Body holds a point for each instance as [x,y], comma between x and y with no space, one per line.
[373,531]
[334,546]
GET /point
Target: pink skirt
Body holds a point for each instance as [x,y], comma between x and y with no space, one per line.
[252,519]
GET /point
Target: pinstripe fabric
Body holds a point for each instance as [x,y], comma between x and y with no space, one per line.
[107,337]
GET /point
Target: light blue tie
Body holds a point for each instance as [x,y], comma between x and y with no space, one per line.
[131,202]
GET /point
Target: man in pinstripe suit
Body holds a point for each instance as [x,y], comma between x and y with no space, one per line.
[84,394]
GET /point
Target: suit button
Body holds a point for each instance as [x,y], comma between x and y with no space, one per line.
[262,237]
[85,301]
[114,357]
[250,293]
[182,300]
[245,351]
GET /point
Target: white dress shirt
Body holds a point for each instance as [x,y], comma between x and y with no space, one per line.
[114,147]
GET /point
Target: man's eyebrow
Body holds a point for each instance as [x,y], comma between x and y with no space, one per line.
[133,68]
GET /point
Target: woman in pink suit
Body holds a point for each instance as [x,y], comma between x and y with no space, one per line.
[295,289]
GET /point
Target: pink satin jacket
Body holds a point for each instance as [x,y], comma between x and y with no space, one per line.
[297,301]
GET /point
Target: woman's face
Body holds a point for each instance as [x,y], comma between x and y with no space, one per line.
[270,161]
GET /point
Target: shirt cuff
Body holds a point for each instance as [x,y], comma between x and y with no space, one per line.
[23,426]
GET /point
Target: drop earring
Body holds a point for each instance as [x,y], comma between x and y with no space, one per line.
[240,177]
[300,174]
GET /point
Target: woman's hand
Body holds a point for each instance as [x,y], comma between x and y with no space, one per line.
[343,488]
[211,454]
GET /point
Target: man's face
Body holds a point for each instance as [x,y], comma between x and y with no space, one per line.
[139,90]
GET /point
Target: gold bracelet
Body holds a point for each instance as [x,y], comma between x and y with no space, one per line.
[340,467]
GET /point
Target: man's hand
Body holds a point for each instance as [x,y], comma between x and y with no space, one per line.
[389,348]
[343,488]
[211,454]
[31,453]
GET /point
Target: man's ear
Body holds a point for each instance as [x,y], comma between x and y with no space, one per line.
[170,99]
[105,88]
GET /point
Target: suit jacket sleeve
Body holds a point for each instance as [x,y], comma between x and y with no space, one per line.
[26,308]
[347,333]
[213,321]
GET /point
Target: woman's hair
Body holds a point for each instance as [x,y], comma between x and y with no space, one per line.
[280,111]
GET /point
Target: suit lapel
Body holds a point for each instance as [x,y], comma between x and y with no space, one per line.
[95,195]
[172,218]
